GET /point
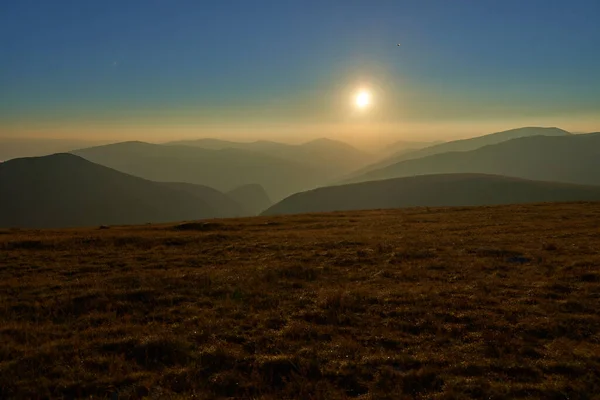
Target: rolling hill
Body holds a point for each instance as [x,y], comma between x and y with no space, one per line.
[64,190]
[460,145]
[224,169]
[431,191]
[572,158]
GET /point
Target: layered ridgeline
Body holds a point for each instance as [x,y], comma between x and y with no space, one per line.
[431,191]
[64,190]
[457,145]
[572,159]
[223,169]
[35,147]
[332,157]
[405,146]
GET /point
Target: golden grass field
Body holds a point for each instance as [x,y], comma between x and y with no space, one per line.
[445,303]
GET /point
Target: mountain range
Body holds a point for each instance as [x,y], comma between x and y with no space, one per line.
[568,158]
[281,171]
[330,156]
[64,190]
[11,148]
[459,145]
[137,182]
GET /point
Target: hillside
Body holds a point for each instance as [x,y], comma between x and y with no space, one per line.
[253,198]
[64,190]
[432,191]
[573,159]
[333,157]
[223,169]
[460,145]
[439,303]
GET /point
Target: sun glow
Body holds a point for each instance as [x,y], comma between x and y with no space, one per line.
[363,99]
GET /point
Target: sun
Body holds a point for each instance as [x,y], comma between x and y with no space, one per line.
[363,99]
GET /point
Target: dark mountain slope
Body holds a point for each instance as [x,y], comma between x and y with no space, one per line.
[432,190]
[64,190]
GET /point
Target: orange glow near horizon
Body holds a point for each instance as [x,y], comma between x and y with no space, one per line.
[364,133]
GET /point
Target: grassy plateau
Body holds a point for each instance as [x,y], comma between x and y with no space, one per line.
[429,303]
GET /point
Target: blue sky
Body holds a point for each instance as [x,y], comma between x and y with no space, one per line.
[126,65]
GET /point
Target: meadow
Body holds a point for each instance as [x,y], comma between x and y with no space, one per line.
[429,303]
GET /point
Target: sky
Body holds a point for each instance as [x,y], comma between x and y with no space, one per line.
[160,70]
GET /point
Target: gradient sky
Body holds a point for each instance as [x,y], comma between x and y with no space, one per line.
[287,70]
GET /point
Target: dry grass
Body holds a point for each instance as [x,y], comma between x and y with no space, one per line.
[498,302]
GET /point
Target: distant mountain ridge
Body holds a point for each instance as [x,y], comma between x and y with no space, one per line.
[331,156]
[220,144]
[431,191]
[11,148]
[405,146]
[461,145]
[572,159]
[224,169]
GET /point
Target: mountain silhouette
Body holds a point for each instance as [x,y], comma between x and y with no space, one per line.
[224,169]
[64,190]
[432,191]
[252,198]
[460,145]
[572,158]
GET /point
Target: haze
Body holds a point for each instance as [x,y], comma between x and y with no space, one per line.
[287,71]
